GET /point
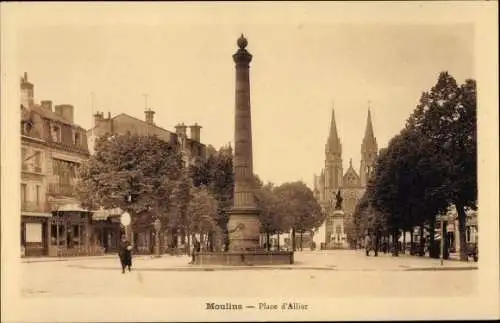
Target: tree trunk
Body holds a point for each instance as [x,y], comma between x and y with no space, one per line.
[462,216]
[188,250]
[183,236]
[444,236]
[293,239]
[432,242]
[422,241]
[411,242]
[395,244]
[210,242]
[301,233]
[175,237]
[268,246]
[378,238]
[278,241]
[404,242]
[226,240]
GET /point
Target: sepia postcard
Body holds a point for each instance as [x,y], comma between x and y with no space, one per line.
[240,161]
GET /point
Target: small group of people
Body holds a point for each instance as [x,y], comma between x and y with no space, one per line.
[125,253]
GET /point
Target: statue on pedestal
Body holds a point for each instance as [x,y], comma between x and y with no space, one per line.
[339,199]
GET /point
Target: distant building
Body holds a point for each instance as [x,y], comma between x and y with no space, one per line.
[192,149]
[452,228]
[351,183]
[52,148]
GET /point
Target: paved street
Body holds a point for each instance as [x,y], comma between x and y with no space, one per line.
[316,274]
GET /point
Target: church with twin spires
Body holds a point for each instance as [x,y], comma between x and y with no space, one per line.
[351,183]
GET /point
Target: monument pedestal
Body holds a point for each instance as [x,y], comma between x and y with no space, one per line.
[244,258]
[338,238]
[244,247]
[244,229]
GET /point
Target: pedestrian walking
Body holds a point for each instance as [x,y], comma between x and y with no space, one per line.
[125,254]
[196,248]
[368,244]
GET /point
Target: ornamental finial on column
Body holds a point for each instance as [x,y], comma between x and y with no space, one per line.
[242,57]
[242,42]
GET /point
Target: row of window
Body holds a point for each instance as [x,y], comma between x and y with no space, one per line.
[31,160]
[64,168]
[27,129]
[26,196]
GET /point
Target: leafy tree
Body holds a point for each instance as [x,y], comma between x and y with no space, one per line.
[271,216]
[216,173]
[202,210]
[301,209]
[430,164]
[447,116]
[134,173]
[178,215]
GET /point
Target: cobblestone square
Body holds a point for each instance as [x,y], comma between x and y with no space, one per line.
[315,274]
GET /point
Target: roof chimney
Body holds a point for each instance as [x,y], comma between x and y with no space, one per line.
[195,132]
[46,105]
[149,116]
[66,111]
[180,129]
[27,92]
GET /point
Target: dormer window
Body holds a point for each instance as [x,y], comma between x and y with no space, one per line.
[76,139]
[27,126]
[55,132]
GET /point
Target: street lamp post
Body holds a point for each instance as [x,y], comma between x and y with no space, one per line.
[57,232]
[157,225]
[443,230]
[125,220]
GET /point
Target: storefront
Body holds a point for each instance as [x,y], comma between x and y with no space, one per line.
[34,234]
[106,230]
[70,232]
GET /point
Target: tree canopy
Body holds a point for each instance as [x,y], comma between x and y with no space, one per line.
[429,165]
[134,173]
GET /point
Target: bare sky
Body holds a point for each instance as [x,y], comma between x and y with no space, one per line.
[300,69]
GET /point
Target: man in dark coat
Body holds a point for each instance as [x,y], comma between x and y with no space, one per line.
[125,254]
[196,248]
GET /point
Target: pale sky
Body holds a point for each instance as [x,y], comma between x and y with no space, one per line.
[300,69]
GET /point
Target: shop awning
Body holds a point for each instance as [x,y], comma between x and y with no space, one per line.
[73,207]
[104,214]
[37,214]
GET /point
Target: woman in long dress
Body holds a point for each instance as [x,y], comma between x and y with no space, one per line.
[125,254]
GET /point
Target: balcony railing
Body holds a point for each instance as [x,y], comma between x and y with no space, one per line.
[31,168]
[34,206]
[61,189]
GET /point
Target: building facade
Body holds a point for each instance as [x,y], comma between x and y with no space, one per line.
[351,183]
[52,149]
[193,153]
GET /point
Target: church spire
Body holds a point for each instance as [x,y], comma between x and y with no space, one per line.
[333,143]
[333,126]
[369,127]
[369,150]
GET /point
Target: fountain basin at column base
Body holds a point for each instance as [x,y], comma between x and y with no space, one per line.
[244,258]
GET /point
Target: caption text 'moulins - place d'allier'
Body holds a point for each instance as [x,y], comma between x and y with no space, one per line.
[260,306]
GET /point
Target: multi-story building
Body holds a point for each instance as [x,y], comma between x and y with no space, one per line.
[52,148]
[193,153]
[351,183]
[193,150]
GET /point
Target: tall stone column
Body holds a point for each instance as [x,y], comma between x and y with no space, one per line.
[243,225]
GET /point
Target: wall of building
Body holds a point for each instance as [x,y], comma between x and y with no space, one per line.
[45,135]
